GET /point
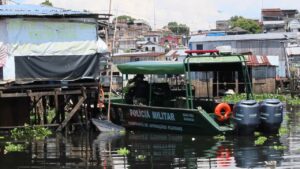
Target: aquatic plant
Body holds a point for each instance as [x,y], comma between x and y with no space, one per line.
[122,132]
[2,137]
[260,140]
[283,131]
[123,151]
[256,134]
[281,147]
[141,157]
[30,133]
[10,147]
[258,97]
[219,137]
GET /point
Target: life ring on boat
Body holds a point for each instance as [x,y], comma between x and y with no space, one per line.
[223,107]
[101,99]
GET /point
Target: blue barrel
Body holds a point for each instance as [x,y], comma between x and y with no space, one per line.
[246,117]
[271,115]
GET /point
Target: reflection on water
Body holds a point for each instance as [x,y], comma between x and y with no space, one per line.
[155,150]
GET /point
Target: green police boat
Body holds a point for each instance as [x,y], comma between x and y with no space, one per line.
[185,96]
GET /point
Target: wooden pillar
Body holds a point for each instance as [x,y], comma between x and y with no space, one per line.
[236,82]
[56,118]
[61,107]
[45,110]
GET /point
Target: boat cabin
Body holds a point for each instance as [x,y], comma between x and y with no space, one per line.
[173,84]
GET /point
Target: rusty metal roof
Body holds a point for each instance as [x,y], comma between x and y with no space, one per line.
[38,10]
[258,60]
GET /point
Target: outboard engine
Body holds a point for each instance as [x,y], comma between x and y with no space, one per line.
[271,115]
[246,117]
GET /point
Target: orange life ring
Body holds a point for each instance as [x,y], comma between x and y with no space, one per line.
[101,98]
[223,107]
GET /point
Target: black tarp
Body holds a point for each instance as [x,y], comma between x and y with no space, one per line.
[41,68]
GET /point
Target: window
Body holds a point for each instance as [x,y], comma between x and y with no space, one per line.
[146,48]
[199,46]
[154,39]
[153,49]
[148,39]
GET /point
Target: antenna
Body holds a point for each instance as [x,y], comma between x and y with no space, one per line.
[154,18]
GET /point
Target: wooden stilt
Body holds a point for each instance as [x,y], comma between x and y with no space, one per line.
[73,111]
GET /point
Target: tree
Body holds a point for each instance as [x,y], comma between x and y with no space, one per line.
[47,3]
[247,24]
[129,19]
[178,29]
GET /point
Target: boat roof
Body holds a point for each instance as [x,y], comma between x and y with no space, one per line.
[152,67]
[197,63]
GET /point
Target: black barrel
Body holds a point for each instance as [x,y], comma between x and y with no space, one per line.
[246,117]
[271,115]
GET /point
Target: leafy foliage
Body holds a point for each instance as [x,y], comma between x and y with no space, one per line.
[123,151]
[258,97]
[129,19]
[219,137]
[30,133]
[247,24]
[178,29]
[47,3]
[260,140]
[10,147]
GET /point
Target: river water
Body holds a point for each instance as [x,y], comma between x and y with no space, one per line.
[87,149]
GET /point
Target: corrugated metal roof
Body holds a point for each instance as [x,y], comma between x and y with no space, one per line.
[264,36]
[38,10]
[258,60]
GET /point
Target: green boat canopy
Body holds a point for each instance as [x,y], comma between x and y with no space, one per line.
[199,63]
[152,67]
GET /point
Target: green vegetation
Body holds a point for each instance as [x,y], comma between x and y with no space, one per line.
[283,131]
[30,133]
[260,140]
[50,114]
[248,24]
[178,29]
[279,147]
[14,147]
[260,97]
[2,137]
[129,19]
[219,137]
[47,3]
[256,134]
[141,157]
[123,151]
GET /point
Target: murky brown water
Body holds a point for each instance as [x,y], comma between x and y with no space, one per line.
[158,150]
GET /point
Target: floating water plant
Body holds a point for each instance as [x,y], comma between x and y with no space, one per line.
[219,137]
[141,157]
[14,147]
[123,151]
[256,134]
[279,147]
[283,131]
[30,133]
[260,140]
[2,137]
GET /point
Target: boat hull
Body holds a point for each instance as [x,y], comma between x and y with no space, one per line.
[166,119]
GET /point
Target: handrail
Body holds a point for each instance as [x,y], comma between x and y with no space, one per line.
[201,51]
